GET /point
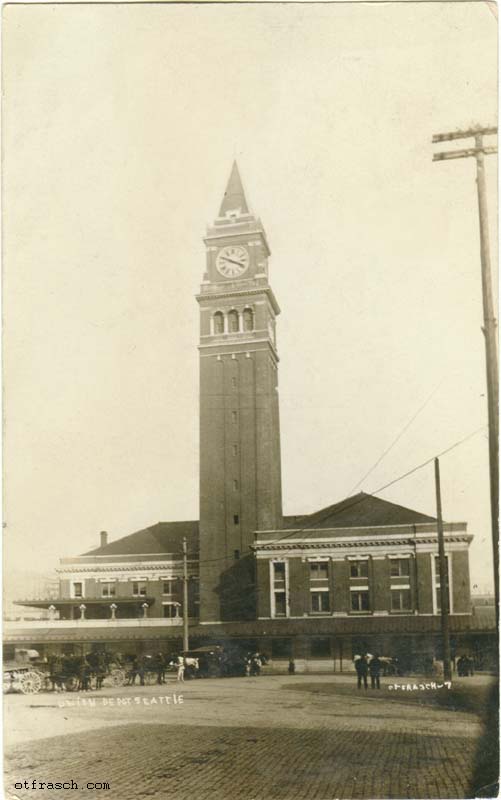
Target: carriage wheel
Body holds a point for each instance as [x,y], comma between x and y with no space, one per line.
[30,682]
[115,678]
[45,679]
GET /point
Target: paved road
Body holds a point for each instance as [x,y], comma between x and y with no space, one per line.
[251,738]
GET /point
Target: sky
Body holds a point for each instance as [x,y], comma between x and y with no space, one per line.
[121,123]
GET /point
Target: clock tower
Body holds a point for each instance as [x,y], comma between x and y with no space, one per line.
[240,483]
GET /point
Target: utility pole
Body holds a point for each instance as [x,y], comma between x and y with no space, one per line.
[444,579]
[186,643]
[489,330]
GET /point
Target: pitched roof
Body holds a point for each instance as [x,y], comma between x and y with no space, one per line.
[359,511]
[163,537]
[234,196]
[362,510]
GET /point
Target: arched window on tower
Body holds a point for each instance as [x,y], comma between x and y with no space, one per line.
[218,322]
[248,319]
[233,321]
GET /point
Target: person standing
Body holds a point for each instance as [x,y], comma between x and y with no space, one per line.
[142,669]
[100,669]
[256,664]
[375,672]
[160,668]
[133,672]
[180,668]
[361,668]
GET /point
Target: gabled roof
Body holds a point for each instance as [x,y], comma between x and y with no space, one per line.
[163,537]
[360,511]
[234,196]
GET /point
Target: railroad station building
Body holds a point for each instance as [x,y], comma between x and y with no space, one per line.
[360,575]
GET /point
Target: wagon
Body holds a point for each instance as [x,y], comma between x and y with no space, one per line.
[23,673]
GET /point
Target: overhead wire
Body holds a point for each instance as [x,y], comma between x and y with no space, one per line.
[329,513]
[397,438]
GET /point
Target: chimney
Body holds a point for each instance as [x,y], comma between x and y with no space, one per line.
[104,538]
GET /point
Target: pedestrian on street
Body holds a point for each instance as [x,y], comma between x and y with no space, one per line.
[256,664]
[133,672]
[362,669]
[84,675]
[375,671]
[142,669]
[292,666]
[180,668]
[160,668]
[100,670]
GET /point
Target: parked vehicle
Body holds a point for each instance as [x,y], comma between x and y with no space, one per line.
[22,673]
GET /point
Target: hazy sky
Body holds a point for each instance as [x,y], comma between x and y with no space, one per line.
[120,126]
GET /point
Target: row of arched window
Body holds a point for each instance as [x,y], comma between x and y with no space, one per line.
[233,321]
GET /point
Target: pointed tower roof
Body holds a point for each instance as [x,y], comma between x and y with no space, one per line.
[234,196]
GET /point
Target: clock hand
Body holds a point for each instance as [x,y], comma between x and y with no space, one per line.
[238,263]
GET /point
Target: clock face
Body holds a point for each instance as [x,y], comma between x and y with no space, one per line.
[232,261]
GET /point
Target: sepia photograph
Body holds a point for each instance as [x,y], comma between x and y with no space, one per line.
[250,400]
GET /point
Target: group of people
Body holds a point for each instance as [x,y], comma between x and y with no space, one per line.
[465,666]
[368,665]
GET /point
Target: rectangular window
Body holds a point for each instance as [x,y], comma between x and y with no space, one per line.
[235,485]
[280,604]
[359,569]
[400,599]
[233,381]
[236,555]
[438,599]
[236,519]
[320,648]
[400,567]
[278,589]
[319,570]
[78,589]
[167,587]
[437,568]
[320,602]
[279,573]
[234,448]
[108,590]
[359,600]
[139,589]
[171,611]
[233,416]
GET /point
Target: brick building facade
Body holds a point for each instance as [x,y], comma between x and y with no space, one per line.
[361,574]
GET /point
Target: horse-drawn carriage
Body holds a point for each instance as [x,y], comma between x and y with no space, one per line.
[27,673]
[22,672]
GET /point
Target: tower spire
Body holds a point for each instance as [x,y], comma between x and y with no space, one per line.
[234,196]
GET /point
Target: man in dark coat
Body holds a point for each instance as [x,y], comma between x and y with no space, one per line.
[361,667]
[375,671]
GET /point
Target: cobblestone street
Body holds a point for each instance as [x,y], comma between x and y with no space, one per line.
[269,737]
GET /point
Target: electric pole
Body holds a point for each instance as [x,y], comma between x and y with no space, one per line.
[186,643]
[479,151]
[444,579]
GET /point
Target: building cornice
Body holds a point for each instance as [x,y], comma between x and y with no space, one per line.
[220,295]
[358,544]
[237,347]
[132,566]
